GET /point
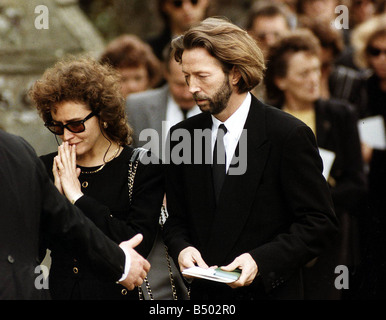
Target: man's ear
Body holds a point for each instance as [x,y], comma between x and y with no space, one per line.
[235,76]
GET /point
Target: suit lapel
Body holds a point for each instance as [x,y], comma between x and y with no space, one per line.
[239,191]
[202,193]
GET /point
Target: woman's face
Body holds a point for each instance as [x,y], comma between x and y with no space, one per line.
[302,81]
[87,141]
[134,79]
[377,56]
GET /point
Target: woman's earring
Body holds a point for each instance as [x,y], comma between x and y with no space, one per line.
[105,125]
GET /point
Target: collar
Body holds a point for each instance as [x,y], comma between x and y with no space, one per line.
[174,113]
[235,123]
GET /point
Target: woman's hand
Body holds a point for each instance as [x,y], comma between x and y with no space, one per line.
[66,172]
[367,153]
[55,171]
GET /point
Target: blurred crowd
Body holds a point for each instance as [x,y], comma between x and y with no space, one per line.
[325,64]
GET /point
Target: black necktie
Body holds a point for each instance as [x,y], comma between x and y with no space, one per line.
[184,113]
[219,160]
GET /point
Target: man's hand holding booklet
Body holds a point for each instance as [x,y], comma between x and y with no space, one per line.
[214,274]
[192,265]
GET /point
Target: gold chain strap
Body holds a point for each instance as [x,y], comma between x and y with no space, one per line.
[163,217]
[132,170]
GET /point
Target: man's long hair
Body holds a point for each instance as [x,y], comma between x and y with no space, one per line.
[230,45]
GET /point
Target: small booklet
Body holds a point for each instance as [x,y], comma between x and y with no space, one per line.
[328,158]
[213,274]
[372,132]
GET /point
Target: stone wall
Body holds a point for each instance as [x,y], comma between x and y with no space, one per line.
[27,49]
[30,42]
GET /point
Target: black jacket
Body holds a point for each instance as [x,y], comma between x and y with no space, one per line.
[32,208]
[280,210]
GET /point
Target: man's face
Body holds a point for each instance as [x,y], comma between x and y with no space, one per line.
[177,86]
[206,80]
[183,14]
[266,30]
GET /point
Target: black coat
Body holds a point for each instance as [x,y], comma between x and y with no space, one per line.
[106,203]
[336,130]
[32,208]
[280,210]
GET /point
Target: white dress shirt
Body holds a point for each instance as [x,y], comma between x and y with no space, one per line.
[235,125]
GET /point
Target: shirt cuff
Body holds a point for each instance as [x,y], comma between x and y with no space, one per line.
[127,265]
[76,198]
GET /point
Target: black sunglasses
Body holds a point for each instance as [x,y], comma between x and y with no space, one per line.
[179,3]
[375,52]
[73,126]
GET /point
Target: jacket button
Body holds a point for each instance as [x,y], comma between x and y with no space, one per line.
[11,259]
[124,292]
[75,270]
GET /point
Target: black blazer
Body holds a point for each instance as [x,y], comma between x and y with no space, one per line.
[337,131]
[280,211]
[106,203]
[31,208]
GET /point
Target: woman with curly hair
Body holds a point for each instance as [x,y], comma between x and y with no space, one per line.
[140,69]
[80,101]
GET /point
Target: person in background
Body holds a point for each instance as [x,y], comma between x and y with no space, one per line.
[265,207]
[337,81]
[293,85]
[291,9]
[370,53]
[32,209]
[359,11]
[161,108]
[323,9]
[140,69]
[178,16]
[79,100]
[266,22]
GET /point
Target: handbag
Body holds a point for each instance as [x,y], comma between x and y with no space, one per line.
[133,164]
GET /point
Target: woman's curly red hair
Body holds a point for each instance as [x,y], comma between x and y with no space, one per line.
[84,80]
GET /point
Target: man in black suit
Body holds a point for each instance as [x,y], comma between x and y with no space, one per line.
[32,208]
[271,212]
